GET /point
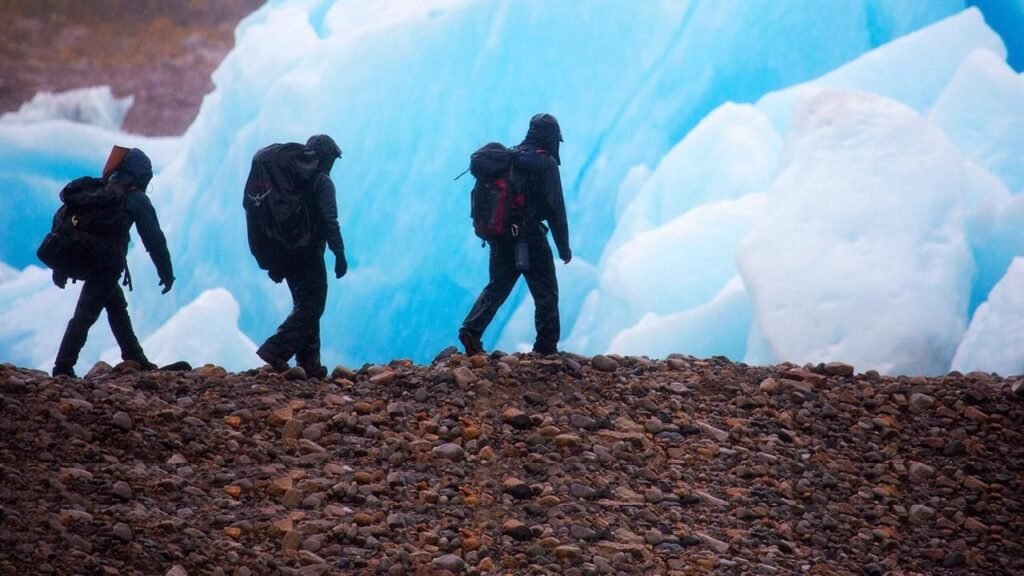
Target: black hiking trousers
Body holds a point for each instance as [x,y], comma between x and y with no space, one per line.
[540,279]
[101,291]
[299,334]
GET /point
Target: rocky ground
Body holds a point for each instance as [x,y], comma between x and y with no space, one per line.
[161,52]
[512,465]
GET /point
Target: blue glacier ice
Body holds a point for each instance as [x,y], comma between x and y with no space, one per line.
[95,106]
[214,314]
[723,198]
[998,321]
[7,272]
[1007,18]
[39,158]
[858,256]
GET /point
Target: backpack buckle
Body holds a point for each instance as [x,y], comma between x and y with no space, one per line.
[515,230]
[257,199]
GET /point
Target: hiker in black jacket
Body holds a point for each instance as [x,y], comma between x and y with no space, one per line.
[537,167]
[299,335]
[101,290]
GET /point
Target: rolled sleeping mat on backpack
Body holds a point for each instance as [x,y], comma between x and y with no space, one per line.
[117,154]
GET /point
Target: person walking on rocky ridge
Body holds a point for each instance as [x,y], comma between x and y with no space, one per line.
[293,250]
[521,246]
[111,205]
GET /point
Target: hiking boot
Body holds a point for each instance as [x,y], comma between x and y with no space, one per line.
[471,343]
[278,366]
[318,372]
[144,363]
[64,371]
[545,350]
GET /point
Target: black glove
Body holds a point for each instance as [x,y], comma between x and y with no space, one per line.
[59,280]
[565,255]
[340,265]
[276,276]
[166,283]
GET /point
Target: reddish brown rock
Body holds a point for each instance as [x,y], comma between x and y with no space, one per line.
[695,465]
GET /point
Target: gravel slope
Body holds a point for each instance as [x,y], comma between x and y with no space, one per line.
[512,465]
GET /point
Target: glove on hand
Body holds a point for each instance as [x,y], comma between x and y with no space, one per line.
[340,265]
[60,280]
[565,255]
[166,283]
[277,277]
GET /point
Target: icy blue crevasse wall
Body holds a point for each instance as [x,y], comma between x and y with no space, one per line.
[409,91]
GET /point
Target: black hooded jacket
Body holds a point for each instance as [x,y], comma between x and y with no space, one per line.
[544,191]
[325,213]
[133,175]
[324,199]
[539,159]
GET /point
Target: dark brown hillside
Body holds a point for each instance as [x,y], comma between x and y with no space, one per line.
[162,51]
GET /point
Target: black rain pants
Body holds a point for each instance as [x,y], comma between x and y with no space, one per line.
[101,291]
[540,279]
[299,334]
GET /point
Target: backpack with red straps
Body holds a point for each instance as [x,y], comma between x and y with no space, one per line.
[498,202]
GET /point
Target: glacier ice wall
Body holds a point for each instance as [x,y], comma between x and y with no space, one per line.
[808,204]
[857,256]
[673,245]
[1007,18]
[205,330]
[7,272]
[664,175]
[998,324]
[410,90]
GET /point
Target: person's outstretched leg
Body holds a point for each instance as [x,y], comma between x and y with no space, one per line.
[91,301]
[307,354]
[543,284]
[121,326]
[308,285]
[503,277]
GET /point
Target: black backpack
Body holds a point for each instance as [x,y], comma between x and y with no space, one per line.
[276,205]
[498,202]
[88,229]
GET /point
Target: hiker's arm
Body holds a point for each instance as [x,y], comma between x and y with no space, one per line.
[556,216]
[327,206]
[148,226]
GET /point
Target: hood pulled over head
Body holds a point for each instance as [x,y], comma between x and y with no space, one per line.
[135,169]
[545,133]
[326,149]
